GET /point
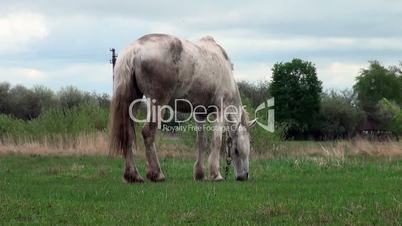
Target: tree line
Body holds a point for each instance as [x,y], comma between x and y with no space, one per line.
[302,109]
[28,103]
[372,106]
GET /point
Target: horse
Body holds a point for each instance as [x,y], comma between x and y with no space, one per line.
[165,68]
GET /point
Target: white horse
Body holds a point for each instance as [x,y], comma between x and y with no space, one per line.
[165,68]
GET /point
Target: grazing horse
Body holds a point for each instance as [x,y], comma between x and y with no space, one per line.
[165,68]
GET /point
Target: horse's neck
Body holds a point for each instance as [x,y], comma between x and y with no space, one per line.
[234,118]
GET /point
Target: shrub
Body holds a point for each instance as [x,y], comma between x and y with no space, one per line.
[391,115]
[70,97]
[84,118]
[23,103]
[256,93]
[4,101]
[338,117]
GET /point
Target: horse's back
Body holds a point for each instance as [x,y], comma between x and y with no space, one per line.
[168,67]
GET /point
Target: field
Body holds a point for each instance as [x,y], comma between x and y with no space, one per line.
[51,190]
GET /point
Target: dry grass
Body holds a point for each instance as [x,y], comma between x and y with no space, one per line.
[97,144]
[88,144]
[337,150]
[358,147]
[85,144]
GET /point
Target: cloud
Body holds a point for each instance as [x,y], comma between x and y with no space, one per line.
[20,28]
[252,72]
[340,75]
[23,76]
[288,17]
[68,43]
[335,75]
[264,44]
[89,77]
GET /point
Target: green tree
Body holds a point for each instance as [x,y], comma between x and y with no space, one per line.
[377,82]
[45,96]
[297,91]
[24,104]
[374,84]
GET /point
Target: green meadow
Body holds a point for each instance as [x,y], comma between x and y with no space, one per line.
[71,190]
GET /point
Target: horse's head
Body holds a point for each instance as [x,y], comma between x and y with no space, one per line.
[238,144]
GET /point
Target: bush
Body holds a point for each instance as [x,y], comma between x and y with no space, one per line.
[4,101]
[338,117]
[70,97]
[84,118]
[23,103]
[260,138]
[256,93]
[12,127]
[391,116]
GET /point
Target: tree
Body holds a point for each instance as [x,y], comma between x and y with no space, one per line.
[377,82]
[373,85]
[24,104]
[296,90]
[45,96]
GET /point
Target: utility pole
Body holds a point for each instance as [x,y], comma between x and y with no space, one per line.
[114,58]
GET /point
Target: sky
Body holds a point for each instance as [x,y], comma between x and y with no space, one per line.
[59,43]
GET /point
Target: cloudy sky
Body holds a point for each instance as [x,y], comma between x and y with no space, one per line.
[58,43]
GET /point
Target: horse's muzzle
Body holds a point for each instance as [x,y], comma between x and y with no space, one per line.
[243,177]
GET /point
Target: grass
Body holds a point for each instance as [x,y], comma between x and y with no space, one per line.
[182,146]
[48,189]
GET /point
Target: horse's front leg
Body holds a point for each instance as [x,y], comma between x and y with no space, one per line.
[198,170]
[154,172]
[213,159]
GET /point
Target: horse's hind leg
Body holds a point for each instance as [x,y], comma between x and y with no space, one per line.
[154,172]
[198,171]
[131,174]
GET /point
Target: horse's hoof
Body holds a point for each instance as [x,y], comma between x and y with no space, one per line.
[216,178]
[242,177]
[131,178]
[198,174]
[155,176]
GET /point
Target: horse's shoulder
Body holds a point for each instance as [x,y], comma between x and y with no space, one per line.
[154,37]
[210,43]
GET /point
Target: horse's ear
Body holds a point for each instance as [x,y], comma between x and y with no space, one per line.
[252,123]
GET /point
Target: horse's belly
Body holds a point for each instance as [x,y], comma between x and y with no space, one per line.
[196,98]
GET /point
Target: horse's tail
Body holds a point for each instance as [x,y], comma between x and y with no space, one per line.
[125,91]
